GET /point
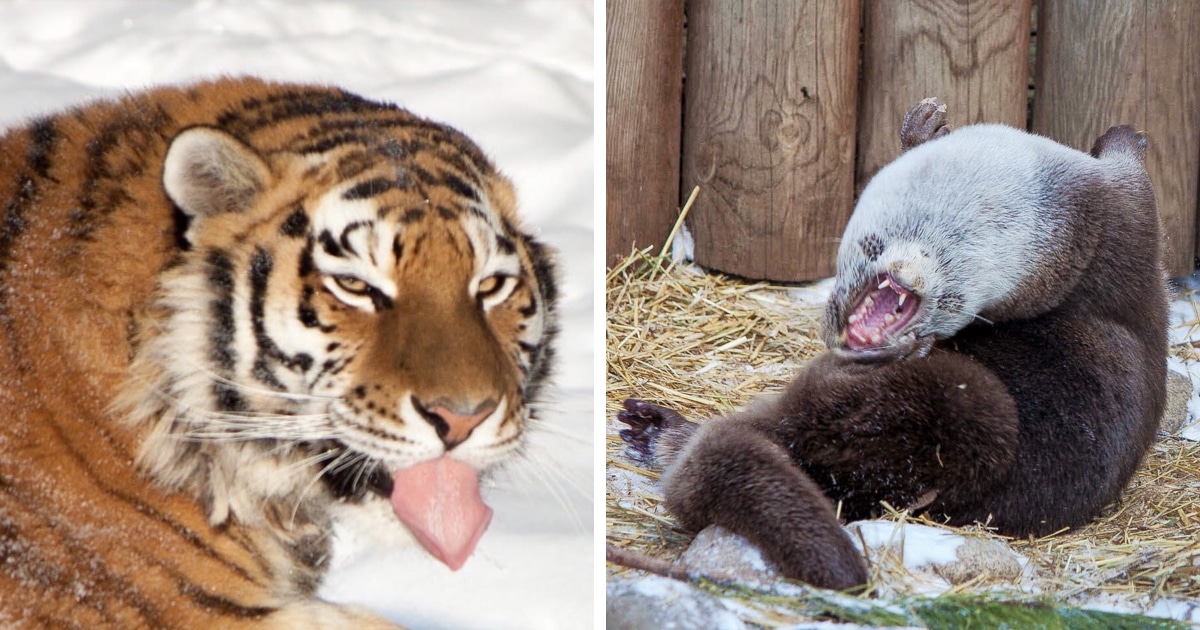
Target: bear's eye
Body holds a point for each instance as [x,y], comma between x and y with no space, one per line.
[353,285]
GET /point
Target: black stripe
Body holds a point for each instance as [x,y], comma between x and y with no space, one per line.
[228,397]
[13,224]
[38,155]
[388,119]
[329,245]
[368,189]
[138,129]
[223,326]
[477,211]
[543,269]
[354,163]
[338,366]
[291,104]
[222,330]
[412,215]
[42,135]
[417,245]
[346,231]
[306,258]
[218,604]
[353,482]
[302,361]
[332,142]
[261,265]
[326,367]
[308,315]
[379,299]
[462,155]
[423,176]
[296,225]
[461,187]
[462,146]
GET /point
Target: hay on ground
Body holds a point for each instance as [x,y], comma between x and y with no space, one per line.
[705,344]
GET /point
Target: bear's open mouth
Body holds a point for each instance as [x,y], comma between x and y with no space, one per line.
[883,311]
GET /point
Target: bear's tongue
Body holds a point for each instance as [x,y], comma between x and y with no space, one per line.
[439,502]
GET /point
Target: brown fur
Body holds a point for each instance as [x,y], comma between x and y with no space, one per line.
[87,234]
[1030,422]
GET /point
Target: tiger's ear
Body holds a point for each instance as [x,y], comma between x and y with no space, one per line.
[207,172]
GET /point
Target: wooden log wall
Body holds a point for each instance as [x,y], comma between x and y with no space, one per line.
[644,70]
[972,55]
[1105,63]
[769,117]
[780,128]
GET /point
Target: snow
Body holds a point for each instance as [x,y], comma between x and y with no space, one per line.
[919,548]
[1184,318]
[1165,608]
[919,545]
[516,76]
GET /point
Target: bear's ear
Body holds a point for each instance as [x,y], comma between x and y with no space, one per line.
[207,172]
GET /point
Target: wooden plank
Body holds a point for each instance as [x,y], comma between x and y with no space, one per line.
[971,54]
[769,119]
[1103,64]
[644,70]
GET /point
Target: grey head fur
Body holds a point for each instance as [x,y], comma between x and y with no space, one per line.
[962,223]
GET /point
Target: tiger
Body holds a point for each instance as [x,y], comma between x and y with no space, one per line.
[229,309]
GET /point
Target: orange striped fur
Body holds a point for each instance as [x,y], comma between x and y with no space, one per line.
[193,368]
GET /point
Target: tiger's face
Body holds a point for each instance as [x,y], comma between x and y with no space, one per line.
[362,309]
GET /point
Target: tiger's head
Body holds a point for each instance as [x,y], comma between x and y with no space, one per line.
[344,307]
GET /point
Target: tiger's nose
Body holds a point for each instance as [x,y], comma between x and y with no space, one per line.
[453,421]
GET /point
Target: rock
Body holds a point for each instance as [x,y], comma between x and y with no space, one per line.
[717,551]
[977,557]
[655,602]
[1179,391]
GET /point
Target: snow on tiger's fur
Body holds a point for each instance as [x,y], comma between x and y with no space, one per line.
[225,307]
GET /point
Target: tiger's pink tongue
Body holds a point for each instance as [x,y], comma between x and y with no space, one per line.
[439,502]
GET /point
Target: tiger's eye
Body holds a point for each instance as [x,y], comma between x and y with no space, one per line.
[350,284]
[489,285]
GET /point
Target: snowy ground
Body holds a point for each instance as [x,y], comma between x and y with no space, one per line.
[516,76]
